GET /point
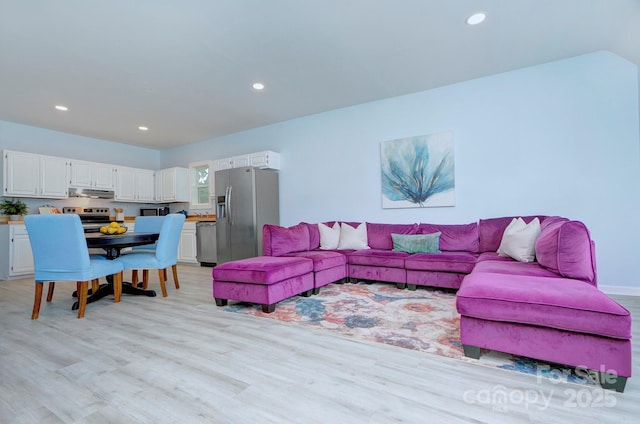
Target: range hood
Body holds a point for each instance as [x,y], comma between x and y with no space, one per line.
[92,193]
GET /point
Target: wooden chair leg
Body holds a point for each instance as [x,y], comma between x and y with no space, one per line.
[52,285]
[37,299]
[117,287]
[145,278]
[83,288]
[95,285]
[165,274]
[163,286]
[134,277]
[174,268]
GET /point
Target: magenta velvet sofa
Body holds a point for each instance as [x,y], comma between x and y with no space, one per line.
[550,309]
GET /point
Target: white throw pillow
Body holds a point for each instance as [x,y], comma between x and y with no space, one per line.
[329,236]
[520,242]
[516,224]
[353,238]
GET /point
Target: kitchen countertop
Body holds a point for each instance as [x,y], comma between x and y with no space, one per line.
[5,220]
[190,218]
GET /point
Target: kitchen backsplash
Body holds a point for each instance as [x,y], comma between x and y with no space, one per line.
[130,209]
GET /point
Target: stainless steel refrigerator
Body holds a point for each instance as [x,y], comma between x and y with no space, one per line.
[246,199]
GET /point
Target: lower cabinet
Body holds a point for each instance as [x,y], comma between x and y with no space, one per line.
[188,247]
[16,258]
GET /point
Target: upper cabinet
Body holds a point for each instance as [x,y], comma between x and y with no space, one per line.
[134,185]
[221,164]
[92,175]
[265,160]
[172,185]
[239,161]
[32,175]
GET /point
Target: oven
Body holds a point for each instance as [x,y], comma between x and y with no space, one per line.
[92,218]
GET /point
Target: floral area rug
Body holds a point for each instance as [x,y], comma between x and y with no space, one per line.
[425,320]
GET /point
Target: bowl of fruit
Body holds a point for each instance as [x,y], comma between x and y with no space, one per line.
[113,228]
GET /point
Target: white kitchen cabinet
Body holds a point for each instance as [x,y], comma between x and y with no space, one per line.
[32,175]
[240,161]
[222,164]
[145,185]
[16,258]
[173,185]
[125,184]
[92,175]
[134,185]
[53,177]
[265,160]
[188,247]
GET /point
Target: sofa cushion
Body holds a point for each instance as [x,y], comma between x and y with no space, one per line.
[376,257]
[322,259]
[379,235]
[314,235]
[262,269]
[416,243]
[457,238]
[447,261]
[283,240]
[492,256]
[490,231]
[565,247]
[353,237]
[560,303]
[514,267]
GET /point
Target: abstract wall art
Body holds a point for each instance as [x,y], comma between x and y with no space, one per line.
[418,172]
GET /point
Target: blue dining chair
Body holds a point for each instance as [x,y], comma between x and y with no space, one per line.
[165,255]
[147,224]
[60,253]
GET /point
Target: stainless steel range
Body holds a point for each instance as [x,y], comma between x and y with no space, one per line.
[92,218]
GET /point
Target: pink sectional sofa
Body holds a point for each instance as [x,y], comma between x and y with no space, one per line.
[550,309]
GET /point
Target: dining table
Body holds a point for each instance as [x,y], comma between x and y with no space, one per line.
[113,244]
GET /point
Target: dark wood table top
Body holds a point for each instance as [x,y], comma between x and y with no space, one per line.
[127,239]
[113,243]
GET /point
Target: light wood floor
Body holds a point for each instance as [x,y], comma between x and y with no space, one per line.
[181,359]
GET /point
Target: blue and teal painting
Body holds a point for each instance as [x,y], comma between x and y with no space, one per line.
[418,171]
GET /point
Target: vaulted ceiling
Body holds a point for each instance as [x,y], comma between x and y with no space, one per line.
[185,68]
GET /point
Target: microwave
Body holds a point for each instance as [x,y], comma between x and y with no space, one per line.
[154,211]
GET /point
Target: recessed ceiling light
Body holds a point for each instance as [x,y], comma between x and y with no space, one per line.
[258,86]
[62,108]
[476,18]
[143,128]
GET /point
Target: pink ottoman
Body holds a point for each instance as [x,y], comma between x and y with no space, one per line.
[559,320]
[264,279]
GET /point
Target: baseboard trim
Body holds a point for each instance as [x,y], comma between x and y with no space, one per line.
[621,290]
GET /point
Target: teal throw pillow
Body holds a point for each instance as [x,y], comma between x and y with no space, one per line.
[416,243]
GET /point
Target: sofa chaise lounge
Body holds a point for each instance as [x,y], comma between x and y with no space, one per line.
[549,309]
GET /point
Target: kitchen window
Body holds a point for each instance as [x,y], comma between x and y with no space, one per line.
[202,184]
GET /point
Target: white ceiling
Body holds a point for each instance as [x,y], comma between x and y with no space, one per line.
[184,68]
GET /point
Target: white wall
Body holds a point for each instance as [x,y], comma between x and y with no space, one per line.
[558,139]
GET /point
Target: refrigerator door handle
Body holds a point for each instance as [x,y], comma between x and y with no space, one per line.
[226,199]
[229,211]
